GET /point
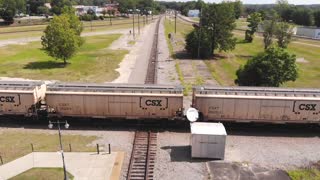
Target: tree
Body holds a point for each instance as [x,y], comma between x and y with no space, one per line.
[269,29]
[316,15]
[104,12]
[283,32]
[8,10]
[62,38]
[271,68]
[192,43]
[58,5]
[33,6]
[43,10]
[237,8]
[302,16]
[218,21]
[20,6]
[254,19]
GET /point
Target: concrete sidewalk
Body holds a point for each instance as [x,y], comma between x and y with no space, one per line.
[83,166]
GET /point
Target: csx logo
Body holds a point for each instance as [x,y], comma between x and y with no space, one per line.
[7,99]
[153,102]
[308,107]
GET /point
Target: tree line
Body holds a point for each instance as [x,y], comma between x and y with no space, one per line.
[306,15]
[10,8]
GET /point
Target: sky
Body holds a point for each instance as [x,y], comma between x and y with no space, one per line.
[297,2]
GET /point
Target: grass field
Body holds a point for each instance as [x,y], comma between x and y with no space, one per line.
[226,65]
[15,143]
[241,23]
[42,174]
[305,174]
[93,62]
[36,30]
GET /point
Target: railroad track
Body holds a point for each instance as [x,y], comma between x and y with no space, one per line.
[151,77]
[143,156]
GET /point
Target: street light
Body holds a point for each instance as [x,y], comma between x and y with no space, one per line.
[66,125]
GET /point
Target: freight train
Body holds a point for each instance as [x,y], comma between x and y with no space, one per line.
[209,103]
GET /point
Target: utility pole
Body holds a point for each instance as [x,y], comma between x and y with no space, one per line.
[138,23]
[133,23]
[110,19]
[199,34]
[60,141]
[175,21]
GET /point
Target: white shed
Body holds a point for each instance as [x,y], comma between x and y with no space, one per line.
[208,140]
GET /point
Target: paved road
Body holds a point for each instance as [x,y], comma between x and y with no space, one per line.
[32,39]
[139,72]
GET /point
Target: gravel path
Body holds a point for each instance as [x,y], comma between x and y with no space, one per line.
[173,158]
[265,146]
[166,65]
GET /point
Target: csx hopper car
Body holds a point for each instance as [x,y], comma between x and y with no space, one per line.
[253,104]
[21,98]
[115,101]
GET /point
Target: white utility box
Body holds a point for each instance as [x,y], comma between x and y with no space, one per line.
[208,140]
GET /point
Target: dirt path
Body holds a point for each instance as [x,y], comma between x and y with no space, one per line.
[166,73]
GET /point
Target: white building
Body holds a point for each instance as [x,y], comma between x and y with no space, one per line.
[193,13]
[81,9]
[309,32]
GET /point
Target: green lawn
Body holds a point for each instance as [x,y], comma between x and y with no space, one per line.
[15,144]
[305,174]
[42,174]
[36,30]
[226,65]
[242,23]
[93,63]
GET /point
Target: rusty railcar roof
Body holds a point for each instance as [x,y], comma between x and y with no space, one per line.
[257,91]
[114,88]
[19,85]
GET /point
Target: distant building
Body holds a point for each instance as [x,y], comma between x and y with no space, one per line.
[309,32]
[48,5]
[81,9]
[193,13]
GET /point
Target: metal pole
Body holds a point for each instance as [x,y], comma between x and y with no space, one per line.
[133,23]
[110,19]
[138,23]
[199,34]
[175,22]
[61,148]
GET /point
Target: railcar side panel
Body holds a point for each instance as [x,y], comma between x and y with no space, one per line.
[16,104]
[122,106]
[265,110]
